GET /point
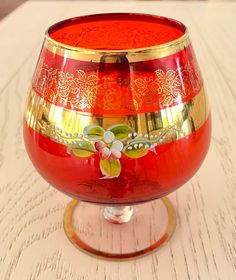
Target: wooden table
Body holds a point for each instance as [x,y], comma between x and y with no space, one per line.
[32,241]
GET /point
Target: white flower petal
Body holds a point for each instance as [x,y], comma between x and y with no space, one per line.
[117,145]
[99,145]
[105,153]
[109,137]
[115,154]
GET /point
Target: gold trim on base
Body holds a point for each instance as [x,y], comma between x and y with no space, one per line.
[78,243]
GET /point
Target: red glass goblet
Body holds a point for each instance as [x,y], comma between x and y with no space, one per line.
[117,115]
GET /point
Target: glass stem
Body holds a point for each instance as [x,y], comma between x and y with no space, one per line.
[118,215]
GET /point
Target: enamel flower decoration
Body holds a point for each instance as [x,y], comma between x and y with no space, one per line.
[114,143]
[109,147]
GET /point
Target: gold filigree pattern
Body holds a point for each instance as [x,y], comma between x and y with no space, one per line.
[46,79]
[168,86]
[192,76]
[67,84]
[86,91]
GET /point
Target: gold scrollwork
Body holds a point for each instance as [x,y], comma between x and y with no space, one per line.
[83,91]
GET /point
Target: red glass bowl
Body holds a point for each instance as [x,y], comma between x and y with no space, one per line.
[117,112]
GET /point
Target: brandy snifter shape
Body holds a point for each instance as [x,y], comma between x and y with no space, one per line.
[117,115]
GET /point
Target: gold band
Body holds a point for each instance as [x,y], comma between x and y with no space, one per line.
[132,55]
[67,126]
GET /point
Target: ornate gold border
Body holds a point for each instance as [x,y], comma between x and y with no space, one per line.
[67,126]
[152,92]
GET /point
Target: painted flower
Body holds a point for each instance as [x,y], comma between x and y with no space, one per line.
[111,144]
[109,147]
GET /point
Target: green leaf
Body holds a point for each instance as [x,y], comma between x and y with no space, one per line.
[121,131]
[137,148]
[110,168]
[83,149]
[93,132]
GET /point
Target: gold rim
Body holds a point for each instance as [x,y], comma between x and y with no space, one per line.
[80,244]
[180,40]
[133,55]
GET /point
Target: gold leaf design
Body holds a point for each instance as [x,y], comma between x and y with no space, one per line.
[84,80]
[168,86]
[192,76]
[87,88]
[110,94]
[84,91]
[141,84]
[66,84]
[45,79]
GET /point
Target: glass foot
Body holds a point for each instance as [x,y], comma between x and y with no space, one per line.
[119,233]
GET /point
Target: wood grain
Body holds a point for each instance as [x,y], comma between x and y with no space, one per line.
[7,7]
[32,241]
